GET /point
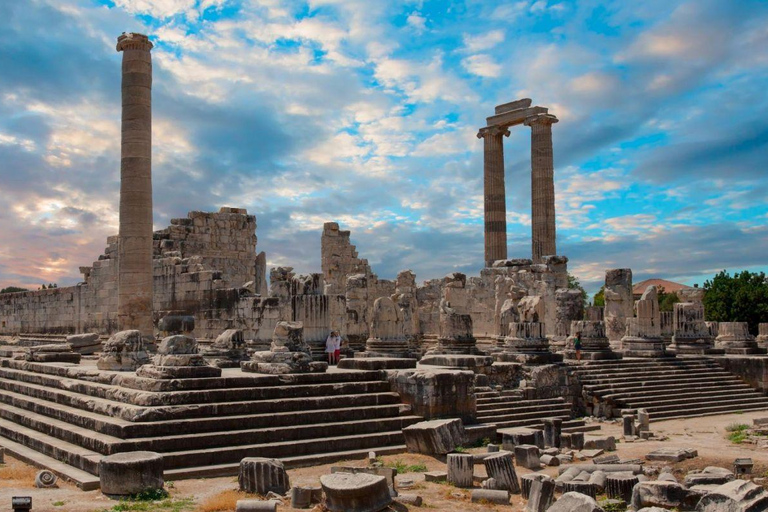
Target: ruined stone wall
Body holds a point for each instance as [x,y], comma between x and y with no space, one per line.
[339,259]
[200,262]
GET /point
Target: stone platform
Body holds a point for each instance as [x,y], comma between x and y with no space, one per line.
[203,427]
[457,361]
[376,363]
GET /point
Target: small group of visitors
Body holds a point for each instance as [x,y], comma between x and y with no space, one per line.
[333,347]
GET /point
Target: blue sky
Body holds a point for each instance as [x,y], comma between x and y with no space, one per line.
[365,113]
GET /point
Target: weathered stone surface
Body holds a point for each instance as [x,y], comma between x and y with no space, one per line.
[501,467]
[435,476]
[260,475]
[176,324]
[619,486]
[124,351]
[735,496]
[734,338]
[45,479]
[359,492]
[669,454]
[607,443]
[575,502]
[516,436]
[434,437]
[84,341]
[527,456]
[388,473]
[256,506]
[460,469]
[499,497]
[410,499]
[129,473]
[618,302]
[438,393]
[231,339]
[541,495]
[663,494]
[643,337]
[708,476]
[526,481]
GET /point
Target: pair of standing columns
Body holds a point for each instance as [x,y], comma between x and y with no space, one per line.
[542,190]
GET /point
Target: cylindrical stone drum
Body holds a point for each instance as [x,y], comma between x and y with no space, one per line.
[461,469]
[360,492]
[129,473]
[619,487]
[581,487]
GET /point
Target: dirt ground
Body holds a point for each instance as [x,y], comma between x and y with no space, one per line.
[707,435]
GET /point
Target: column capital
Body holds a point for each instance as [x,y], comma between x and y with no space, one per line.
[133,41]
[542,119]
[492,131]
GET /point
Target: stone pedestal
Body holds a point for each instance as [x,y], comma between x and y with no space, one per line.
[123,474]
[762,337]
[456,345]
[643,338]
[288,354]
[691,335]
[228,350]
[386,331]
[124,351]
[177,358]
[360,492]
[734,338]
[594,342]
[527,343]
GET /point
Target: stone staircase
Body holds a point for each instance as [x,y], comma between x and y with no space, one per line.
[507,409]
[668,388]
[66,417]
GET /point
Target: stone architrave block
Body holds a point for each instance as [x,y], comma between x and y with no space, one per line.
[360,492]
[668,455]
[501,467]
[260,475]
[435,437]
[663,494]
[709,476]
[527,456]
[607,443]
[127,473]
[541,496]
[575,502]
[461,468]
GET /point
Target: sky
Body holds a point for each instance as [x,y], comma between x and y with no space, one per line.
[365,112]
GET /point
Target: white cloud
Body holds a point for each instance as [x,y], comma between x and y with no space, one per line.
[482,42]
[481,65]
[417,21]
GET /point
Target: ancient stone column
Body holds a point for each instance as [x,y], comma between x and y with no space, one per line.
[542,186]
[494,193]
[134,288]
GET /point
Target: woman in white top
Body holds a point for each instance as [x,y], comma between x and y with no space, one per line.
[332,344]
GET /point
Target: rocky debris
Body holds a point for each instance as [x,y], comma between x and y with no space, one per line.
[53,353]
[124,351]
[177,358]
[710,475]
[410,499]
[501,467]
[527,456]
[575,502]
[490,496]
[671,454]
[45,479]
[606,443]
[85,344]
[288,353]
[435,476]
[549,460]
[360,492]
[260,475]
[663,494]
[735,496]
[435,437]
[541,495]
[460,469]
[388,473]
[127,473]
[256,506]
[228,350]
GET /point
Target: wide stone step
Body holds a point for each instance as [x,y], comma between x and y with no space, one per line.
[531,422]
[516,409]
[535,415]
[183,397]
[233,468]
[173,443]
[732,403]
[712,393]
[635,377]
[661,384]
[606,366]
[83,479]
[511,400]
[229,454]
[68,453]
[145,414]
[705,411]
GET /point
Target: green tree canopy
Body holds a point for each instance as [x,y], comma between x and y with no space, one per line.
[574,284]
[13,289]
[667,301]
[599,298]
[742,297]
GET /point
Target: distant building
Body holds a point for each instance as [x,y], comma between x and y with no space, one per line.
[668,286]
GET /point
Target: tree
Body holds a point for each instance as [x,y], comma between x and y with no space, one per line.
[13,289]
[667,301]
[574,284]
[742,297]
[599,298]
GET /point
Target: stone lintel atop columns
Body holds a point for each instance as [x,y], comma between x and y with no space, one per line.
[133,41]
[515,117]
[513,105]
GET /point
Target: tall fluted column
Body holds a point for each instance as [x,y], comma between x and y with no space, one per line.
[495,199]
[542,186]
[134,288]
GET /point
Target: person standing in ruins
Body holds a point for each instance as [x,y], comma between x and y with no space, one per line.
[577,346]
[333,347]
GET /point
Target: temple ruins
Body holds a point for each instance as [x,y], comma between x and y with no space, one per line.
[181,342]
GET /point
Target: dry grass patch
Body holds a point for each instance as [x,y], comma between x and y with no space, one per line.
[16,474]
[222,502]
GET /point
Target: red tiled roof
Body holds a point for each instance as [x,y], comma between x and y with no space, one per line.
[669,286]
